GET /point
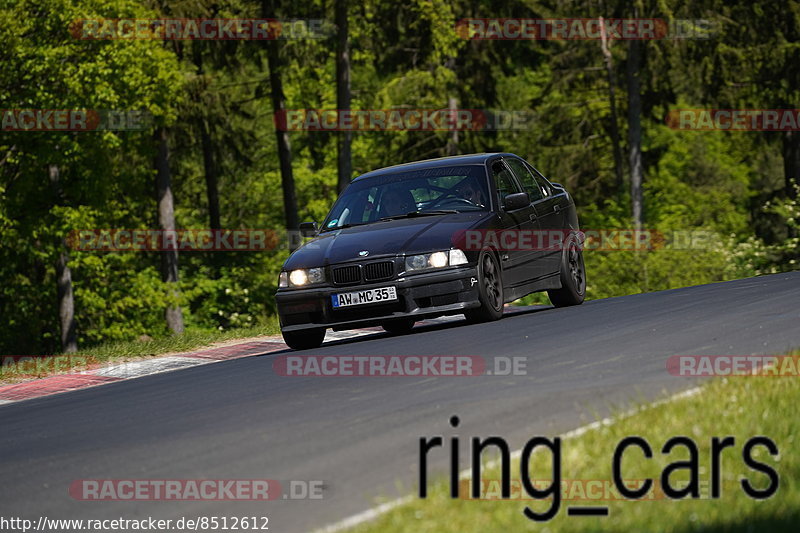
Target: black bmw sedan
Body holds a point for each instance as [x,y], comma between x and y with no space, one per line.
[456,235]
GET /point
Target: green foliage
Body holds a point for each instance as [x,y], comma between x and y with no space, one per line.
[408,55]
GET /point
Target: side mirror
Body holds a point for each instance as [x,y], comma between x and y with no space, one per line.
[516,201]
[308,229]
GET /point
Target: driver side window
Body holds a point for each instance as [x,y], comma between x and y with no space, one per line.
[503,182]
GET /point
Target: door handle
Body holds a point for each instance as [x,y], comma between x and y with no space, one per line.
[532,217]
[556,208]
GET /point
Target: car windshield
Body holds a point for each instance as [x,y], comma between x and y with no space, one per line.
[413,193]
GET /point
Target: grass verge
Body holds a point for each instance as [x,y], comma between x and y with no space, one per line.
[38,367]
[741,407]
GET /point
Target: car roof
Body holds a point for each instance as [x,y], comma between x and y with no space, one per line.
[467,159]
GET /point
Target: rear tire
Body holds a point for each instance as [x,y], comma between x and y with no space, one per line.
[398,326]
[573,276]
[304,339]
[490,290]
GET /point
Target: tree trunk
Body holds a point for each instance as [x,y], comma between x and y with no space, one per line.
[452,143]
[612,101]
[66,300]
[284,147]
[166,223]
[635,132]
[791,162]
[207,145]
[66,303]
[345,138]
[791,171]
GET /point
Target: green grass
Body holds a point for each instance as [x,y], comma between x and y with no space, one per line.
[119,351]
[742,407]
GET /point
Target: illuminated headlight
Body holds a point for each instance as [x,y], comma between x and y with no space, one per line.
[435,260]
[438,260]
[301,277]
[298,278]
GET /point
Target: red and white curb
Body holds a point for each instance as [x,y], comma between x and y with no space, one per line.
[114,372]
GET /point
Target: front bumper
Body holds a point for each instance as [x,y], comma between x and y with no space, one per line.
[421,295]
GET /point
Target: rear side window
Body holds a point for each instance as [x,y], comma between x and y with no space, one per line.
[543,183]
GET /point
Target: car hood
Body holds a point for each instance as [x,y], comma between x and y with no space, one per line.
[392,237]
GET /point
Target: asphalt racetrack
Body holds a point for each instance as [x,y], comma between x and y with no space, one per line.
[239,419]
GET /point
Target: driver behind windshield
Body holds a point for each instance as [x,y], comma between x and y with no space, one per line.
[470,191]
[396,202]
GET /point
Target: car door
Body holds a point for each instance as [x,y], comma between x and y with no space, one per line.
[515,257]
[559,193]
[551,211]
[536,260]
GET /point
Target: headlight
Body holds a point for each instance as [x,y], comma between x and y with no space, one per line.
[301,277]
[435,260]
[316,275]
[457,257]
[438,260]
[298,278]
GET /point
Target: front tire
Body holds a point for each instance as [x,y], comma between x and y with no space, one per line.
[573,276]
[304,339]
[490,290]
[398,326]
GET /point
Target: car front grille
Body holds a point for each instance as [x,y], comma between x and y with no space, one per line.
[352,274]
[347,275]
[378,271]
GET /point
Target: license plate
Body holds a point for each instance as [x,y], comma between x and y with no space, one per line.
[370,296]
